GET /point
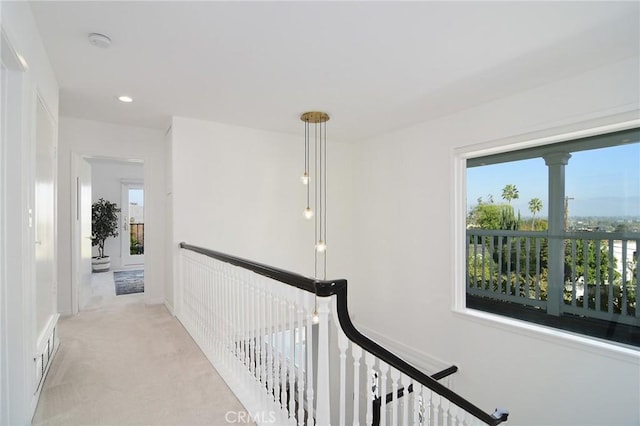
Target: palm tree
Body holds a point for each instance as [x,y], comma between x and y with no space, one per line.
[510,192]
[535,205]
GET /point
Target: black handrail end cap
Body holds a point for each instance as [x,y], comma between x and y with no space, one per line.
[500,414]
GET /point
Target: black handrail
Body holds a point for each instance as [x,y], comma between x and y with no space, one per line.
[339,289]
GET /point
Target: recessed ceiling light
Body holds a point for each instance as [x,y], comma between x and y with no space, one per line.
[99,40]
[125,99]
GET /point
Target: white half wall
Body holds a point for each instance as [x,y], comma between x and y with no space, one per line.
[238,191]
[105,140]
[404,271]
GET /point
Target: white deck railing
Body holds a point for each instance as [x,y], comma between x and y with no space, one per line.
[599,280]
[256,325]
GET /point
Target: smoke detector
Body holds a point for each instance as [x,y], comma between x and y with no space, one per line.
[99,40]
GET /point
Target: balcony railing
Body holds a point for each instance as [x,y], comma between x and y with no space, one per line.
[599,280]
[136,236]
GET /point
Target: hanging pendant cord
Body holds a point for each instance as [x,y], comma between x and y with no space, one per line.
[325,199]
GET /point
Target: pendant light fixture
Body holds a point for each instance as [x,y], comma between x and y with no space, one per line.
[315,179]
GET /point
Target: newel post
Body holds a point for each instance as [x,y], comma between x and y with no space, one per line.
[323,409]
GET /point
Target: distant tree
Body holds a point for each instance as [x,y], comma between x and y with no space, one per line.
[493,216]
[535,206]
[485,216]
[621,227]
[508,219]
[593,266]
[510,192]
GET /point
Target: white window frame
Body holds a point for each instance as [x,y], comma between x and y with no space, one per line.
[459,208]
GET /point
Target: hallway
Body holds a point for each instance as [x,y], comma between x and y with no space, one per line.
[131,364]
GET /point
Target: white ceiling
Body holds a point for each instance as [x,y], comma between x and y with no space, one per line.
[373,66]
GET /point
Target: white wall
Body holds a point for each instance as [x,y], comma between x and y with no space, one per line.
[98,139]
[18,329]
[106,182]
[405,261]
[170,248]
[238,190]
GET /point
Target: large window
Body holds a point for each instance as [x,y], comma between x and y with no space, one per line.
[553,234]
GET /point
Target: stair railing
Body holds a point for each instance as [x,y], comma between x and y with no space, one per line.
[281,342]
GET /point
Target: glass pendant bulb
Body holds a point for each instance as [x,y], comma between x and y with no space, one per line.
[304,179]
[315,319]
[308,213]
[321,247]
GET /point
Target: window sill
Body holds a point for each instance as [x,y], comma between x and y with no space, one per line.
[619,351]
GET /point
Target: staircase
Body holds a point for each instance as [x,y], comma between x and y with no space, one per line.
[285,345]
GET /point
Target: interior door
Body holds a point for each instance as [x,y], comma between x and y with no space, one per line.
[83,227]
[44,219]
[132,226]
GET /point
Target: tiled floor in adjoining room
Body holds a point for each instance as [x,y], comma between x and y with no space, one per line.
[102,292]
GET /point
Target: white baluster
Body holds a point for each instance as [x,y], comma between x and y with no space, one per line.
[269,346]
[216,311]
[441,417]
[301,360]
[343,344]
[437,415]
[395,378]
[250,308]
[310,366]
[261,341]
[283,358]
[416,403]
[369,359]
[406,381]
[235,313]
[199,310]
[444,405]
[426,406]
[244,325]
[384,370]
[228,317]
[356,353]
[292,351]
[277,383]
[455,414]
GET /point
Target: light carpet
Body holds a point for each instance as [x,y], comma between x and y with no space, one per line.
[131,365]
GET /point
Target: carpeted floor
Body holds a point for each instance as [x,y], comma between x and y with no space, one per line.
[131,364]
[128,282]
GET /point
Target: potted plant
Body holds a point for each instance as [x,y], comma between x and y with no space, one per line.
[104,224]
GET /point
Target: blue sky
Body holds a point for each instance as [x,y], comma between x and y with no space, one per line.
[603,182]
[136,196]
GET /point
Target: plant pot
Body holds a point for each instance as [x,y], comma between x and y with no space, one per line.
[100,264]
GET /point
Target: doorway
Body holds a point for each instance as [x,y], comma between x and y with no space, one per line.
[95,177]
[132,217]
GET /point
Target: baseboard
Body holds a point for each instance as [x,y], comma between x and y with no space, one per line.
[169,308]
[157,301]
[47,350]
[422,361]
